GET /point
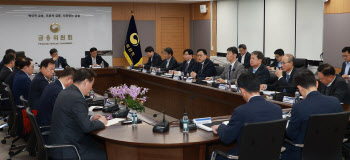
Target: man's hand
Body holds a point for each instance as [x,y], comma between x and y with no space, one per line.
[54,58]
[95,65]
[141,65]
[345,76]
[193,74]
[103,120]
[263,87]
[96,117]
[220,80]
[208,78]
[279,73]
[215,128]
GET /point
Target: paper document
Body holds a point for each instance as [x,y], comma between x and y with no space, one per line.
[269,92]
[92,107]
[114,121]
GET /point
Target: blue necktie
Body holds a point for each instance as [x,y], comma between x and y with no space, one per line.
[229,73]
[287,79]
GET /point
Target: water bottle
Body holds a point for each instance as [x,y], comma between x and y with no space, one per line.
[105,98]
[182,75]
[229,85]
[102,64]
[92,94]
[185,123]
[134,118]
[297,96]
[60,65]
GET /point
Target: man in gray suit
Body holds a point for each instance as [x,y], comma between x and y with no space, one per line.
[71,123]
[233,69]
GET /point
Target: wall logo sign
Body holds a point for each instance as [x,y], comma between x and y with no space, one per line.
[55,27]
[55,39]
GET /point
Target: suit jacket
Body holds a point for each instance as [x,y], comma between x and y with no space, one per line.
[237,69]
[207,71]
[282,82]
[9,79]
[172,64]
[343,69]
[99,59]
[256,110]
[156,61]
[274,63]
[263,74]
[190,68]
[61,61]
[246,59]
[21,86]
[47,102]
[338,89]
[5,72]
[314,103]
[36,89]
[71,124]
[1,64]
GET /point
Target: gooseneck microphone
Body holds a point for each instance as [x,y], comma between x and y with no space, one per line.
[161,126]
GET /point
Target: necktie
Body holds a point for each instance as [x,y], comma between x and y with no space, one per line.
[202,67]
[186,67]
[328,90]
[287,79]
[229,73]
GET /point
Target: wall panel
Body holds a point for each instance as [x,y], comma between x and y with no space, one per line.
[226,24]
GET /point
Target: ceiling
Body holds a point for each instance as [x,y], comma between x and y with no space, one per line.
[153,1]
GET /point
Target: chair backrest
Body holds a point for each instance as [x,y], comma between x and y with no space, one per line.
[82,62]
[301,63]
[266,61]
[15,111]
[262,140]
[219,70]
[273,78]
[42,151]
[324,136]
[25,102]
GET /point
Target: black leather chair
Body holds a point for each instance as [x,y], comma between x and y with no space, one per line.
[261,140]
[273,78]
[324,136]
[82,62]
[42,147]
[301,63]
[266,61]
[219,70]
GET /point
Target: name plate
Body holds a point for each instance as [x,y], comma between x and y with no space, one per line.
[202,120]
[153,73]
[189,80]
[128,67]
[144,71]
[176,78]
[222,86]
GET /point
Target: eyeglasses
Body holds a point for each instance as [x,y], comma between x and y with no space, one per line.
[345,56]
[285,62]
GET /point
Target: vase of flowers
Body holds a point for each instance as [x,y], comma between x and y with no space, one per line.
[133,97]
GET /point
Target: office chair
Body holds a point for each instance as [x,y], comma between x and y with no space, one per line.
[219,70]
[262,140]
[42,147]
[301,63]
[82,62]
[266,61]
[5,109]
[324,136]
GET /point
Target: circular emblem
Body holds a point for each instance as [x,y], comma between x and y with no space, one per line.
[55,27]
[134,39]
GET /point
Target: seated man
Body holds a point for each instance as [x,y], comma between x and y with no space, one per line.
[40,81]
[9,79]
[345,69]
[169,63]
[285,78]
[94,60]
[244,57]
[189,63]
[258,68]
[332,84]
[60,62]
[154,59]
[233,69]
[257,109]
[205,67]
[49,95]
[277,63]
[21,81]
[313,103]
[9,51]
[71,123]
[9,63]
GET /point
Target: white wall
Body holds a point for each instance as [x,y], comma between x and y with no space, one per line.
[226,24]
[20,32]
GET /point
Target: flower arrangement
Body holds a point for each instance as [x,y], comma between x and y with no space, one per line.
[132,97]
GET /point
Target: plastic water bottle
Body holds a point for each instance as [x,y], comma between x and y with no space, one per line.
[229,85]
[92,94]
[134,118]
[102,64]
[297,96]
[185,123]
[182,75]
[105,98]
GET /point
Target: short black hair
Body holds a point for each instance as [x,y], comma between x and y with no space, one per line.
[53,50]
[304,78]
[149,49]
[258,54]
[25,62]
[10,51]
[280,52]
[189,51]
[19,60]
[169,50]
[326,69]
[346,49]
[8,58]
[68,72]
[46,62]
[203,50]
[83,74]
[243,46]
[234,50]
[93,49]
[249,81]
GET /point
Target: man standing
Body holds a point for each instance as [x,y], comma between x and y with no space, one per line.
[94,60]
[60,62]
[154,59]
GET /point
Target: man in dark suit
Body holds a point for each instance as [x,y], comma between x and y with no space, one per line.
[277,63]
[9,51]
[244,57]
[94,60]
[205,67]
[257,109]
[71,123]
[345,69]
[154,59]
[40,81]
[21,81]
[49,95]
[285,78]
[169,63]
[9,63]
[9,79]
[258,68]
[313,103]
[332,84]
[60,62]
[189,63]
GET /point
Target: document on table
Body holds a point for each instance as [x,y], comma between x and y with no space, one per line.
[114,121]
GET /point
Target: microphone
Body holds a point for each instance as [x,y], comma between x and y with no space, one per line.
[161,126]
[279,96]
[156,114]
